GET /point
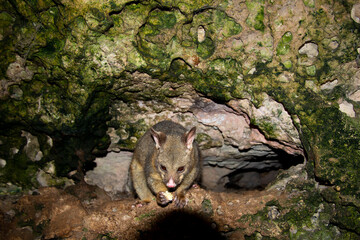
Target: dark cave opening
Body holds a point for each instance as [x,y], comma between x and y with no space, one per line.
[255,172]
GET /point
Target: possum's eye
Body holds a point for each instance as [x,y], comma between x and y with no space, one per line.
[163,168]
[181,169]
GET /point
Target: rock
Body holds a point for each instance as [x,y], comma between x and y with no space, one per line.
[32,147]
[329,85]
[201,34]
[42,179]
[355,96]
[16,93]
[237,44]
[213,177]
[2,163]
[272,118]
[114,137]
[355,80]
[17,70]
[347,108]
[46,177]
[355,13]
[294,173]
[310,84]
[310,49]
[311,70]
[111,172]
[286,77]
[273,212]
[334,45]
[233,126]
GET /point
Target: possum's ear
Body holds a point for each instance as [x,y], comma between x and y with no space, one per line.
[189,137]
[159,138]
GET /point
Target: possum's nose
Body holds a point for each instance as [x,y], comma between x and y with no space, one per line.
[171,183]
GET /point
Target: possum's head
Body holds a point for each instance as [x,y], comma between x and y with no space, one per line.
[175,156]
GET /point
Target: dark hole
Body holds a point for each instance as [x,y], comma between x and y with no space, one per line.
[182,224]
[256,173]
[258,178]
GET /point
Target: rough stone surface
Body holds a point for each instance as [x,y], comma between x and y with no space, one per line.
[347,108]
[310,49]
[2,163]
[271,115]
[111,172]
[355,12]
[32,147]
[355,96]
[225,134]
[329,85]
[18,70]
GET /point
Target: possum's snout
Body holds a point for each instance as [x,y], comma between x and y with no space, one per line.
[171,183]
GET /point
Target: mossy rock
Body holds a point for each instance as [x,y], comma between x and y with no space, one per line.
[330,138]
[217,24]
[206,48]
[283,46]
[256,16]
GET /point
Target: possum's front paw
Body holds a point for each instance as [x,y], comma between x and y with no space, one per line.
[164,198]
[180,200]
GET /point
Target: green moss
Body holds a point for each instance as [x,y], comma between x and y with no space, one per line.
[268,128]
[265,126]
[98,21]
[283,46]
[213,84]
[330,138]
[348,217]
[143,216]
[206,142]
[49,53]
[106,236]
[225,66]
[186,6]
[287,64]
[256,16]
[224,24]
[217,24]
[6,22]
[130,133]
[309,3]
[20,171]
[287,37]
[157,37]
[259,18]
[304,216]
[206,48]
[341,137]
[162,19]
[207,207]
[301,213]
[311,70]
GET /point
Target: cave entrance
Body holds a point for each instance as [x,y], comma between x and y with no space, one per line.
[253,169]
